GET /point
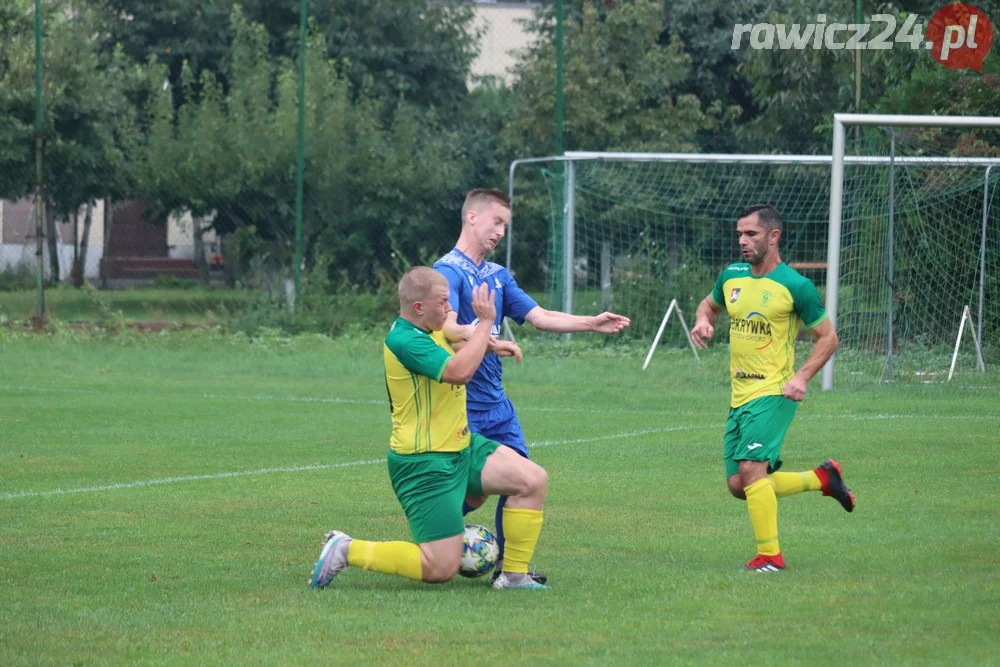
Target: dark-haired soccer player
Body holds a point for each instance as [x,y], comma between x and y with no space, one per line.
[768,301]
[434,461]
[485,217]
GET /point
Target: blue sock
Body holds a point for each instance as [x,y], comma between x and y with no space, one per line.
[501,501]
[466,508]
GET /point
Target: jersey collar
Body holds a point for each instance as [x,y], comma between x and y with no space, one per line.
[402,321]
[478,266]
[778,266]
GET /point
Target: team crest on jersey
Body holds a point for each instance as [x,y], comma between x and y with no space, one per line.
[765,298]
[734,295]
[496,283]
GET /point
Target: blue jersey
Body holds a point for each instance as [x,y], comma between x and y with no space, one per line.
[486,388]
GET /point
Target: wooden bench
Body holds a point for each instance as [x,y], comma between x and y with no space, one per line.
[808,266]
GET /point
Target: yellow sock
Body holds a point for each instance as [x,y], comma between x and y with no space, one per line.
[402,558]
[762,504]
[521,528]
[790,483]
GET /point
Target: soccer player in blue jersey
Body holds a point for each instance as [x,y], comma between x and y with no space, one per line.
[767,301]
[486,215]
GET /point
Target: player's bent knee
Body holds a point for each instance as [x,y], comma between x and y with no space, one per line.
[438,571]
[541,480]
[736,487]
[533,480]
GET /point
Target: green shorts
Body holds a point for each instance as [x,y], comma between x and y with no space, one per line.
[755,431]
[432,486]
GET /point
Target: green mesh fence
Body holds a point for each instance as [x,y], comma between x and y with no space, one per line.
[647,231]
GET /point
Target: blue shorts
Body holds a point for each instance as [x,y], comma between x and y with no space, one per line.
[499,423]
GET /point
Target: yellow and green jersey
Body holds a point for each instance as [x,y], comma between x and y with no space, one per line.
[765,314]
[427,415]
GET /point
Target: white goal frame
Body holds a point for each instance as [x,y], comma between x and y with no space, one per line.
[836,161]
[840,123]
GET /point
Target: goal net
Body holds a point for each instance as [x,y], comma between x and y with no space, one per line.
[632,232]
[917,250]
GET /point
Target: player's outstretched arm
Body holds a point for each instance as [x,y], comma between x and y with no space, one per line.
[502,348]
[556,322]
[704,322]
[506,348]
[466,361]
[456,332]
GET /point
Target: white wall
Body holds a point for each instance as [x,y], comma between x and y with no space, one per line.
[180,242]
[13,252]
[180,237]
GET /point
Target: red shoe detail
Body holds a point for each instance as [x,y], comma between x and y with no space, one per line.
[824,476]
[766,563]
[832,480]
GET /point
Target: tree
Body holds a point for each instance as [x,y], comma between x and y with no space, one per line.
[407,49]
[705,28]
[925,87]
[17,101]
[796,92]
[410,49]
[379,182]
[88,122]
[623,80]
[622,75]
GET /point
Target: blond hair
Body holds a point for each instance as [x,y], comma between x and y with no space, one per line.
[417,284]
[483,196]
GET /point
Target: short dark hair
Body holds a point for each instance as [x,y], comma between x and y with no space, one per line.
[767,214]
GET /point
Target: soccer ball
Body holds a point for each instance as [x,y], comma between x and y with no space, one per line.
[480,551]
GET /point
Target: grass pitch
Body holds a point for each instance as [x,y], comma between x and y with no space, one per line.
[162,500]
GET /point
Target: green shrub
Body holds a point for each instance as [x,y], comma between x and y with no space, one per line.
[328,307]
[20,276]
[166,281]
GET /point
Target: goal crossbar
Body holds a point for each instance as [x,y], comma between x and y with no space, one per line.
[835,162]
[731,158]
[839,159]
[695,158]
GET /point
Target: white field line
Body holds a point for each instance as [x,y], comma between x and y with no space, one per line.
[173,480]
[334,400]
[228,397]
[11,495]
[881,417]
[325,400]
[298,399]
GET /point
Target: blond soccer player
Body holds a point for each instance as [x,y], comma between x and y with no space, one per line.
[434,461]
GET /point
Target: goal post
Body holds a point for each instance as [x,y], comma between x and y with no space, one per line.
[839,158]
[894,235]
